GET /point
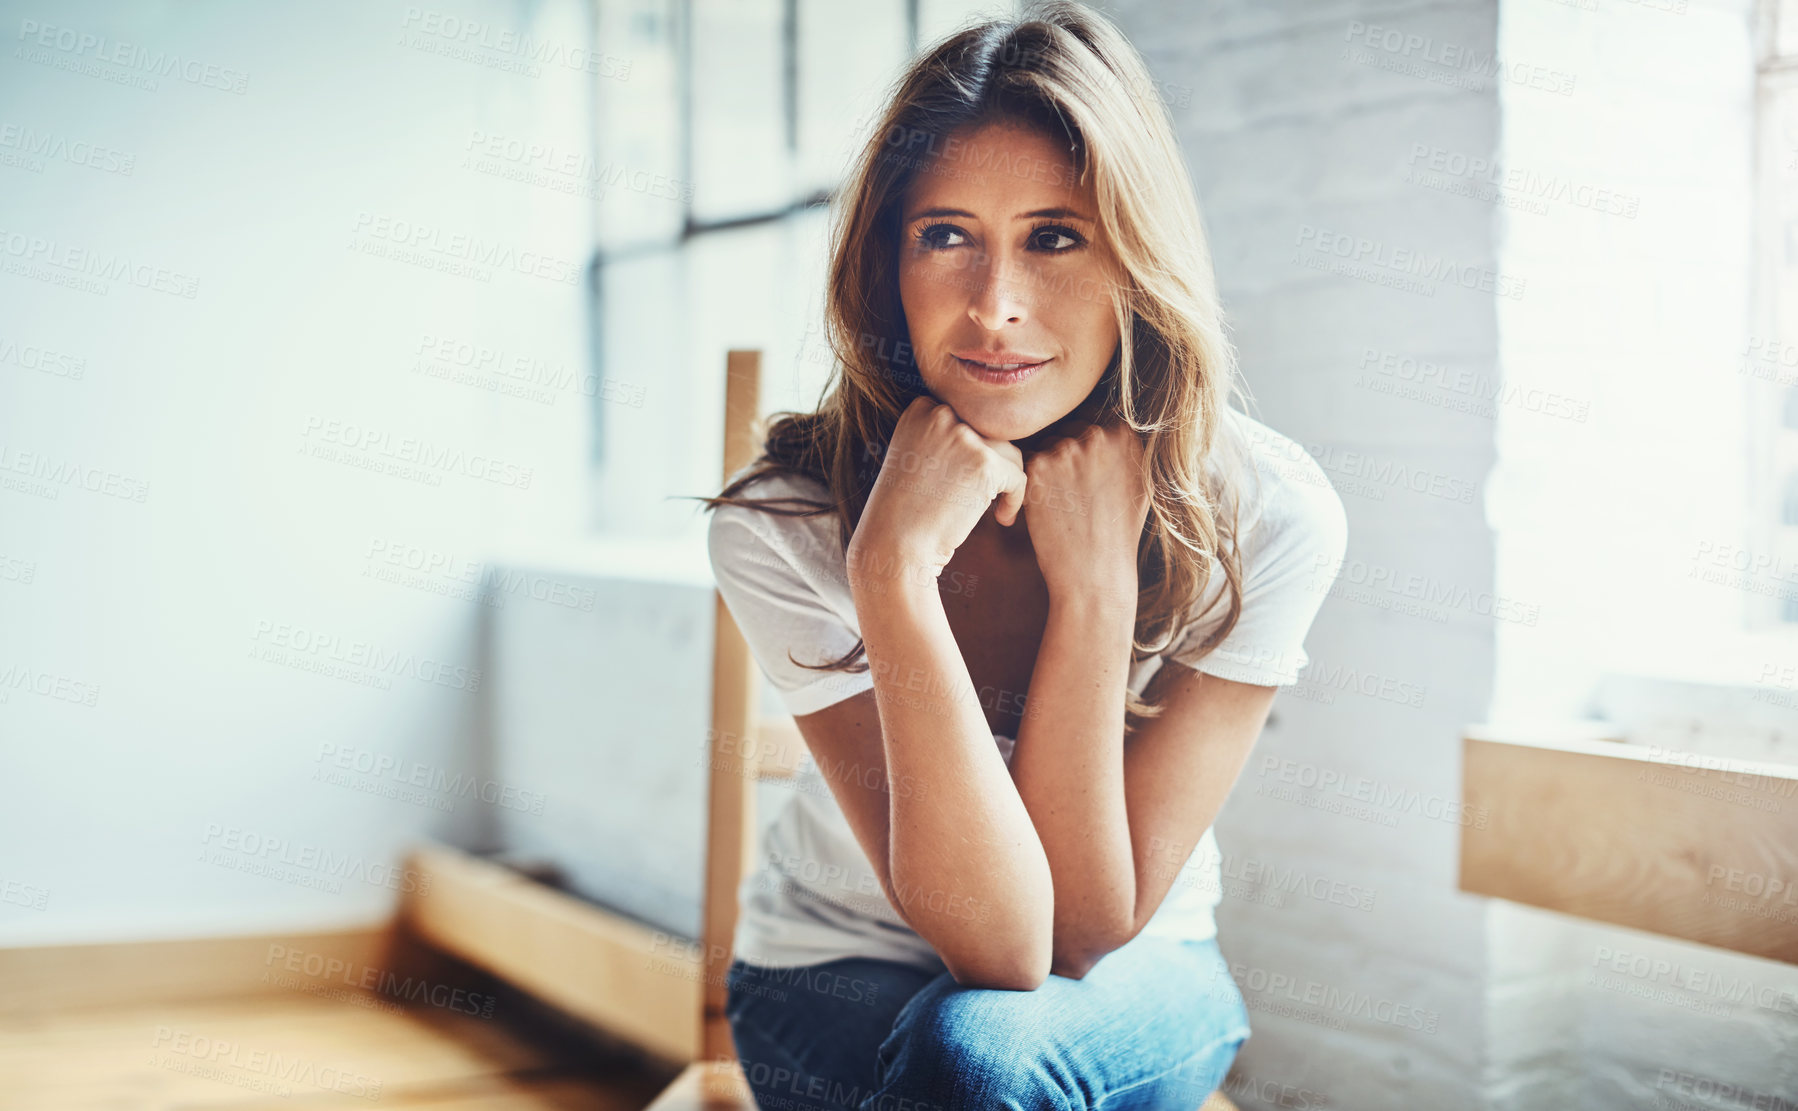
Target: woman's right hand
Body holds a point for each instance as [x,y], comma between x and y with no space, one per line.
[938,479]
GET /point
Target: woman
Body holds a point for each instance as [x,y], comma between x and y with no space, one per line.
[1023,495]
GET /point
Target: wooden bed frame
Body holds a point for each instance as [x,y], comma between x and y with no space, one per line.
[663,993]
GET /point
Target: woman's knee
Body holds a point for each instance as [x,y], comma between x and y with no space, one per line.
[977,1047]
[970,1021]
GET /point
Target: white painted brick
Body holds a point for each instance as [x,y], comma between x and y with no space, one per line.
[1282,133]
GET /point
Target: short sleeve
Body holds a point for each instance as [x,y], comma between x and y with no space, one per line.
[1290,557]
[775,587]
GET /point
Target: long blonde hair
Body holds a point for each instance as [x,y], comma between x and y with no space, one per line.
[1068,72]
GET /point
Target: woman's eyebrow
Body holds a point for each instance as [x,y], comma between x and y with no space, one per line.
[1041,213]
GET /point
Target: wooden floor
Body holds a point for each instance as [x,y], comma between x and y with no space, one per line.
[304,1053]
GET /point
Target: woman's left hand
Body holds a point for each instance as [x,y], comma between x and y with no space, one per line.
[1086,499]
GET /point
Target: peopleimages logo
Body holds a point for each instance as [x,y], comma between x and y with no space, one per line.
[1359,250]
[394,772]
[1431,382]
[373,980]
[1344,575]
[44,360]
[1403,49]
[81,51]
[405,456]
[232,1062]
[46,684]
[46,476]
[1269,990]
[1689,983]
[1321,679]
[455,251]
[28,148]
[527,54]
[280,858]
[358,661]
[78,266]
[1527,184]
[1377,793]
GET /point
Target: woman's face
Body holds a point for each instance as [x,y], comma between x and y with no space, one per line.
[999,264]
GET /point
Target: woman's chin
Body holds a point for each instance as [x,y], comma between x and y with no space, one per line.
[997,422]
[1000,428]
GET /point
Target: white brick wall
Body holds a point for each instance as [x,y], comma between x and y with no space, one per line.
[1315,122]
[1299,132]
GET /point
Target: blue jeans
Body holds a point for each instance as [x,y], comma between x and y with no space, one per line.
[1155,1024]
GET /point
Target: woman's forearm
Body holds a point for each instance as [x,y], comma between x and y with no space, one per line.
[966,865]
[1069,771]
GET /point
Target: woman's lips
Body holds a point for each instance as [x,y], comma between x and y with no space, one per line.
[1000,371]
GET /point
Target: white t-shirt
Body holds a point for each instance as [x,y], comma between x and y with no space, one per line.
[815,897]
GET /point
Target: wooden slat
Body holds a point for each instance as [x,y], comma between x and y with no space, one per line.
[707,1086]
[294,1052]
[604,968]
[1619,834]
[66,977]
[730,788]
[742,399]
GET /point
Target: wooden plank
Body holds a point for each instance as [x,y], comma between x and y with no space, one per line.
[730,821]
[742,404]
[501,1094]
[720,1086]
[298,1052]
[230,1052]
[707,1086]
[1704,849]
[616,973]
[107,974]
[730,786]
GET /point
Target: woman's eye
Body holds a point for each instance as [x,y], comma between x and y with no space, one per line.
[1050,239]
[1046,237]
[932,236]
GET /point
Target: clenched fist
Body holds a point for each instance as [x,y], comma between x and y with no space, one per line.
[1085,503]
[938,479]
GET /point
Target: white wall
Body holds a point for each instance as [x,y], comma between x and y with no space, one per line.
[1299,129]
[210,405]
[521,126]
[1623,307]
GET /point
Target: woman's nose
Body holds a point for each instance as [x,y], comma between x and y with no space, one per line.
[999,294]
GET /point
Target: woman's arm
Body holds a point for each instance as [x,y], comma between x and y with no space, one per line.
[963,856]
[965,861]
[1086,503]
[1069,769]
[1118,822]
